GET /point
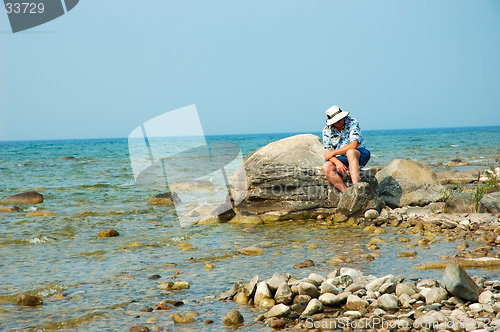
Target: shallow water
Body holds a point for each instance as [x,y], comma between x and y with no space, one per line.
[105,280]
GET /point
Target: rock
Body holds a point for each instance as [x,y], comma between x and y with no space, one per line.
[209,266]
[313,307]
[154,277]
[327,287]
[237,286]
[456,281]
[436,295]
[247,217]
[179,285]
[278,311]
[355,303]
[284,294]
[360,283]
[24,299]
[486,297]
[317,277]
[233,317]
[455,177]
[491,203]
[388,302]
[301,299]
[40,214]
[138,328]
[175,303]
[353,273]
[306,288]
[276,280]
[262,292]
[108,233]
[251,287]
[358,199]
[405,182]
[372,214]
[267,303]
[375,284]
[329,300]
[191,185]
[251,251]
[405,288]
[30,197]
[277,323]
[459,203]
[241,297]
[180,319]
[223,213]
[457,162]
[10,208]
[304,264]
[168,198]
[162,306]
[387,288]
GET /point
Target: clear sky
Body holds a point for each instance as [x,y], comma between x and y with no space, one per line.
[105,67]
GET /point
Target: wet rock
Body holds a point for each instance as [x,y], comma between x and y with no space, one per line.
[313,307]
[154,277]
[329,300]
[10,208]
[108,233]
[456,177]
[251,251]
[66,158]
[197,184]
[168,198]
[262,292]
[251,287]
[436,295]
[283,294]
[358,199]
[233,317]
[209,266]
[306,288]
[138,328]
[405,182]
[278,311]
[388,302]
[24,299]
[355,303]
[146,309]
[491,203]
[456,281]
[267,303]
[276,280]
[277,323]
[241,297]
[180,319]
[247,217]
[371,214]
[179,285]
[30,197]
[304,264]
[162,306]
[459,203]
[223,213]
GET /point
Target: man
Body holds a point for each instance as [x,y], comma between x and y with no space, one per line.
[344,147]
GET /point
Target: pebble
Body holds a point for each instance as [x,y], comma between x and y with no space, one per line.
[154,277]
[182,319]
[233,317]
[208,266]
[24,299]
[313,307]
[138,328]
[152,320]
[304,264]
[108,233]
[251,251]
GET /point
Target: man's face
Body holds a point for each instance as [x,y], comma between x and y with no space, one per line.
[339,124]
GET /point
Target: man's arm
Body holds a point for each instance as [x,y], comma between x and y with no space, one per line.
[351,146]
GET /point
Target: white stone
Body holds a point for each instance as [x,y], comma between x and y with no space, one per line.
[329,299]
[262,292]
[353,273]
[279,310]
[313,307]
[486,297]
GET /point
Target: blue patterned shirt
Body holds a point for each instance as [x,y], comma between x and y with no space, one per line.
[333,139]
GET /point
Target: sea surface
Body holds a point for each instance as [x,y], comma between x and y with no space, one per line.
[105,280]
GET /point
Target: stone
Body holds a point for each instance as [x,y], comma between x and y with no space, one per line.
[284,294]
[241,297]
[436,295]
[405,288]
[175,303]
[355,303]
[233,317]
[251,251]
[486,297]
[108,233]
[278,311]
[313,307]
[358,199]
[306,288]
[221,214]
[491,203]
[372,214]
[276,280]
[301,299]
[360,283]
[459,203]
[387,288]
[262,292]
[375,284]
[162,306]
[154,277]
[10,208]
[456,281]
[247,217]
[168,198]
[327,287]
[197,184]
[277,323]
[24,299]
[138,328]
[388,302]
[179,285]
[317,277]
[406,182]
[353,314]
[353,273]
[304,264]
[329,300]
[251,287]
[30,197]
[456,177]
[405,300]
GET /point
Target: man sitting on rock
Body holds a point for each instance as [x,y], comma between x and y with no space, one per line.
[344,147]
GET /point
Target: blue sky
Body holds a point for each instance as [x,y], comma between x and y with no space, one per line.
[251,66]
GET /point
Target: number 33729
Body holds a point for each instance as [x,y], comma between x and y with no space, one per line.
[24,7]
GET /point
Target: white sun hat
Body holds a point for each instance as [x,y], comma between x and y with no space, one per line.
[335,114]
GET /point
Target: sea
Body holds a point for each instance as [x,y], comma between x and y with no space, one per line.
[89,283]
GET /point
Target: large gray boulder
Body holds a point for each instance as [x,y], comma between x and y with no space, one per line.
[456,281]
[491,203]
[406,182]
[358,199]
[456,177]
[459,203]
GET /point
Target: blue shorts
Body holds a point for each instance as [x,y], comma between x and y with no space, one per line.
[363,158]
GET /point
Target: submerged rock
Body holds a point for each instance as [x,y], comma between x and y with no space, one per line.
[180,319]
[10,208]
[168,198]
[456,177]
[30,197]
[24,299]
[247,217]
[108,233]
[223,213]
[459,203]
[191,185]
[233,317]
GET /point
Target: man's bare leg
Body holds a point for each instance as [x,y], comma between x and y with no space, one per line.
[353,158]
[331,174]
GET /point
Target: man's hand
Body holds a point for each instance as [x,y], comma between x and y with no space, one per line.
[341,168]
